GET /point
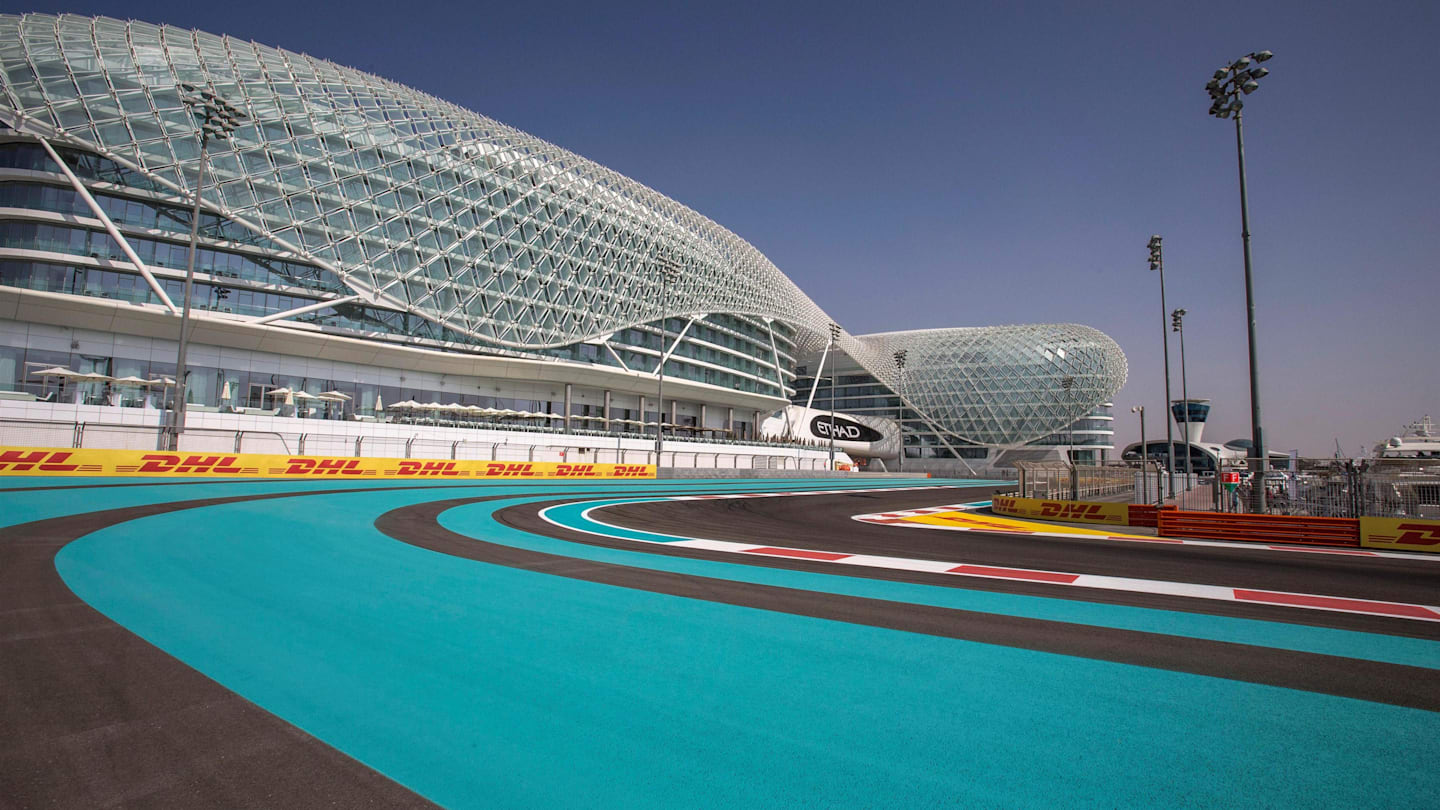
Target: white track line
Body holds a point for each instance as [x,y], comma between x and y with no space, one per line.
[1370,607]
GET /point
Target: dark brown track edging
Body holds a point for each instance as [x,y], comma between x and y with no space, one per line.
[95,716]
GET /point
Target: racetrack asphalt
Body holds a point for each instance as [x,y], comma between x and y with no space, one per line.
[187,683]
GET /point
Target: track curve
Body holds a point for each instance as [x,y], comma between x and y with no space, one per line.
[581,662]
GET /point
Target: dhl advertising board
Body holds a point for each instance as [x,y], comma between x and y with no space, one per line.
[1400,534]
[1117,514]
[60,462]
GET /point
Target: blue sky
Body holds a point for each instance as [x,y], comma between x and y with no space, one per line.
[917,165]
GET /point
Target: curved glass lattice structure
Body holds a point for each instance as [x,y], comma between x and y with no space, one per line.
[347,203]
[405,198]
[1003,385]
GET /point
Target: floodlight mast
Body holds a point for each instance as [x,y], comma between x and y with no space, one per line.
[1226,87]
[1157,262]
[1144,457]
[218,118]
[1177,324]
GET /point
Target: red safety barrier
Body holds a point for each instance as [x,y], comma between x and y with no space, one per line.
[1144,514]
[1259,528]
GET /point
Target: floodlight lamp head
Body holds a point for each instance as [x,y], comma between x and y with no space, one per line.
[1250,87]
[1137,409]
[1241,63]
[1259,73]
[1220,74]
[1262,56]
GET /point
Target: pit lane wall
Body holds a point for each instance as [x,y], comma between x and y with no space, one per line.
[50,461]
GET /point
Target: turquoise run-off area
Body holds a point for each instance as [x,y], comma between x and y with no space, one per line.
[479,685]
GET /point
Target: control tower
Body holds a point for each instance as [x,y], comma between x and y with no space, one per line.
[1191,414]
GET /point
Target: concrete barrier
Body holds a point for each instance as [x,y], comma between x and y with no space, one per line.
[1400,534]
[54,461]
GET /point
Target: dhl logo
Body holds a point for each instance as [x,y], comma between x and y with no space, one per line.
[1001,503]
[424,468]
[174,463]
[575,471]
[632,471]
[514,469]
[323,466]
[1414,534]
[1070,510]
[43,460]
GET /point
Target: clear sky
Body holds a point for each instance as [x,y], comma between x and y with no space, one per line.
[970,164]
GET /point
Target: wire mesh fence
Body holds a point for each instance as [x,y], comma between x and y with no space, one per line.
[1322,487]
[1060,481]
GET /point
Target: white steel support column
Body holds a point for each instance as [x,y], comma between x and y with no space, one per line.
[110,227]
[780,377]
[615,355]
[816,384]
[290,313]
[675,345]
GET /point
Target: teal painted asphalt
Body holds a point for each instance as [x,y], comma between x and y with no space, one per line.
[475,521]
[485,686]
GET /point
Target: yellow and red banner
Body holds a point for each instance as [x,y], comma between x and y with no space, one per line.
[1115,514]
[1400,534]
[35,461]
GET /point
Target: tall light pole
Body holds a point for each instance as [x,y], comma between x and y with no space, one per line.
[1177,324]
[1225,88]
[834,341]
[900,412]
[1157,262]
[218,118]
[669,273]
[1144,458]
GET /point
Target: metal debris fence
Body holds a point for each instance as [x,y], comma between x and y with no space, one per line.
[1060,481]
[1326,487]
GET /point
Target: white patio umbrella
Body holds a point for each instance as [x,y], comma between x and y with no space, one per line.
[304,395]
[138,382]
[55,372]
[225,392]
[279,392]
[93,376]
[336,395]
[379,403]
